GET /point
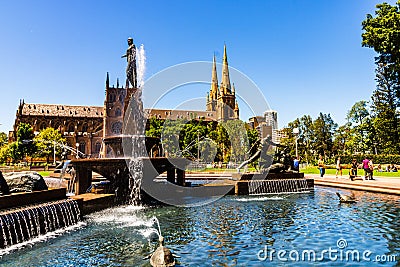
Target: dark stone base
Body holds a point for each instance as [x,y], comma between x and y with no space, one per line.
[273,186]
[29,198]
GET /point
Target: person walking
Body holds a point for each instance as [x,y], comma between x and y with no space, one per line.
[338,168]
[366,168]
[321,166]
[371,170]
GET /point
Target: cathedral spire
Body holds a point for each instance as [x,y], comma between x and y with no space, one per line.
[107,81]
[117,83]
[225,83]
[214,81]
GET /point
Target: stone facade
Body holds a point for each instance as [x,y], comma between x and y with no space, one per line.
[81,125]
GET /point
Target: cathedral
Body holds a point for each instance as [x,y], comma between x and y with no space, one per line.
[222,99]
[87,127]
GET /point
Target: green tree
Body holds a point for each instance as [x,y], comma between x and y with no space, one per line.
[324,129]
[24,146]
[360,128]
[155,127]
[218,133]
[385,102]
[170,137]
[3,139]
[4,153]
[382,34]
[14,152]
[238,139]
[343,141]
[47,140]
[253,136]
[358,112]
[305,138]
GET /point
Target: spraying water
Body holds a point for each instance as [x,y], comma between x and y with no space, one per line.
[135,129]
[141,65]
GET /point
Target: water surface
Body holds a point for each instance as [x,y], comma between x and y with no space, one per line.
[234,231]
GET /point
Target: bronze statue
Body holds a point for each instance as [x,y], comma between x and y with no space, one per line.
[131,59]
[264,159]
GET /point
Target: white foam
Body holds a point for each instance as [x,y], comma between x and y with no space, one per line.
[259,199]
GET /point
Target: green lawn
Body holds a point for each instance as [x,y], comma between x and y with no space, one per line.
[315,170]
[44,173]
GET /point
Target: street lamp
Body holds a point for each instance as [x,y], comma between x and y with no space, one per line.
[296,133]
[77,147]
[198,148]
[376,151]
[54,153]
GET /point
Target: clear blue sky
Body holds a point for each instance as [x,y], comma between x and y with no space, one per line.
[305,55]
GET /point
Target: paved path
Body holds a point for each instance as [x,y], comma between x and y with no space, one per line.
[379,185]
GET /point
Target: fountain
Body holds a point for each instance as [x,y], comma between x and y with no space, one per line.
[162,256]
[129,165]
[276,173]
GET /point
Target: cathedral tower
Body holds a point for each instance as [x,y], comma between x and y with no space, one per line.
[222,99]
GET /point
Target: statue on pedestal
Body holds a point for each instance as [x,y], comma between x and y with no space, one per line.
[265,160]
[130,55]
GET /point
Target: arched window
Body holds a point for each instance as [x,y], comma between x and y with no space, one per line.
[42,125]
[56,126]
[71,127]
[84,127]
[97,147]
[112,98]
[118,112]
[82,147]
[116,127]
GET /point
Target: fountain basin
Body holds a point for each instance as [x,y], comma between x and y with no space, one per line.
[116,170]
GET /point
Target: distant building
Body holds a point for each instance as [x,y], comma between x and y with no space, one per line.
[280,134]
[266,125]
[271,118]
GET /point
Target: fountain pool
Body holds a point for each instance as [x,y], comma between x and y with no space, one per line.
[233,231]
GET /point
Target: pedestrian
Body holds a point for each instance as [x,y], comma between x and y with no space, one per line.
[371,170]
[296,163]
[366,168]
[338,168]
[321,166]
[353,170]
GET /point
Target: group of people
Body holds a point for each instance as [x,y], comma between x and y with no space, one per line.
[367,165]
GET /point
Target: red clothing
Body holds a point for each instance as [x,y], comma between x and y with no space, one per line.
[365,163]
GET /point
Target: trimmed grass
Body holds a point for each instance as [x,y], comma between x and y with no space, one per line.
[315,170]
[44,173]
